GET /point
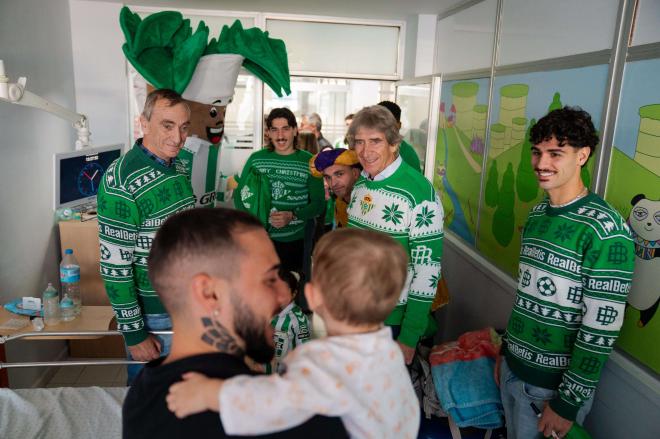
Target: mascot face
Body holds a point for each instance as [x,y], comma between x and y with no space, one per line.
[207,121]
[645,218]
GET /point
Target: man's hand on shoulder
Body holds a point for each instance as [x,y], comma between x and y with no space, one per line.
[147,350]
[550,421]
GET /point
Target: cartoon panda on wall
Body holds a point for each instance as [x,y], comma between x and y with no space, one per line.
[644,220]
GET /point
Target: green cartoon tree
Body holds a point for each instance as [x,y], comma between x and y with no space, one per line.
[556,102]
[526,184]
[492,190]
[504,219]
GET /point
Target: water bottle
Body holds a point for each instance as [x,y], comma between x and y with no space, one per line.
[51,304]
[70,279]
[67,308]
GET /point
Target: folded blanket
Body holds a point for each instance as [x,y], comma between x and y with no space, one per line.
[463,376]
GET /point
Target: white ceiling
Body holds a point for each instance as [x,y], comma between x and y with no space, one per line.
[379,9]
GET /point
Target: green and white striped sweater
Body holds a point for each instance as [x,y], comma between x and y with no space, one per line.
[576,265]
[135,197]
[293,188]
[199,160]
[405,207]
[291,328]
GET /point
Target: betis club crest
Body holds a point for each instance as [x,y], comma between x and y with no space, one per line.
[278,190]
[366,204]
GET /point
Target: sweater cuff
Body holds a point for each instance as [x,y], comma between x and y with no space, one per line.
[135,337]
[564,409]
[408,338]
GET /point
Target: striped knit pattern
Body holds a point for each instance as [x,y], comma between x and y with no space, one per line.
[135,197]
[575,271]
[291,328]
[292,188]
[405,207]
[199,159]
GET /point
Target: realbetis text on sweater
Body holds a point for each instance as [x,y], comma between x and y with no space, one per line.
[136,196]
[575,270]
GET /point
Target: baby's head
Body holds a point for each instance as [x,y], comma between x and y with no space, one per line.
[357,276]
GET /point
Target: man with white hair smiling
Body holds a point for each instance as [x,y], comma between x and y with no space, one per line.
[393,198]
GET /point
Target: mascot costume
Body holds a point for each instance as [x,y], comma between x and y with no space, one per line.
[163,48]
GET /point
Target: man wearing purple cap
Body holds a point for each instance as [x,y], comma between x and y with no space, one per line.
[340,169]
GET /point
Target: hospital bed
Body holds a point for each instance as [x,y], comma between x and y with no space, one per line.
[65,412]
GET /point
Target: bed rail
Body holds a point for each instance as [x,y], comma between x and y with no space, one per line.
[60,334]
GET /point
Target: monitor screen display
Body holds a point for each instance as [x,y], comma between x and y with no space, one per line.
[78,174]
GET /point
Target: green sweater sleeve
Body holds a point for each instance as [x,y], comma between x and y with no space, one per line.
[118,219]
[238,202]
[425,243]
[316,200]
[606,277]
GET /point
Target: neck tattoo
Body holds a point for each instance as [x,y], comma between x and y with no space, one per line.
[218,336]
[582,194]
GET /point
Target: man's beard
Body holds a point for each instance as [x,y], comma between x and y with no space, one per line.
[246,326]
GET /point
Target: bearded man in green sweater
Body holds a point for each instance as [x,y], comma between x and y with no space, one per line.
[393,198]
[576,264]
[139,191]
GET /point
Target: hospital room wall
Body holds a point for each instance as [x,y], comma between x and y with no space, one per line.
[41,51]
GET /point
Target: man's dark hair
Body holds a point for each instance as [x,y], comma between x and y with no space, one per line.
[201,234]
[292,279]
[394,109]
[173,98]
[285,113]
[571,126]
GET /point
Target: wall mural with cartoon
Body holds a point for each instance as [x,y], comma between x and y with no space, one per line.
[459,153]
[633,188]
[511,188]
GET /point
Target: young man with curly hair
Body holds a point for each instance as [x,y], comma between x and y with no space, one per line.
[576,264]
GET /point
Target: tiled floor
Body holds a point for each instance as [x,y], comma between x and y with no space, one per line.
[86,376]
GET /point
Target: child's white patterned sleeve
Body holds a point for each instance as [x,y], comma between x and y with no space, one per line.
[252,405]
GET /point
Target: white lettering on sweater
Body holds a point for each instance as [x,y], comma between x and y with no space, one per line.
[566,264]
[119,233]
[552,360]
[533,252]
[611,285]
[521,351]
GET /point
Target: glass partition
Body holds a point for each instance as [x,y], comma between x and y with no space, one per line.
[340,49]
[537,29]
[464,41]
[332,99]
[414,102]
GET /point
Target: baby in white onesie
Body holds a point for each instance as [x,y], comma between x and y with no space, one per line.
[356,373]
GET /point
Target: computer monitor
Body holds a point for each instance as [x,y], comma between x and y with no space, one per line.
[78,174]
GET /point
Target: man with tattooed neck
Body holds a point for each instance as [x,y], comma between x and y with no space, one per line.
[216,272]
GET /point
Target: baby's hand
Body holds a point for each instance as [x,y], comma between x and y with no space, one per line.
[195,394]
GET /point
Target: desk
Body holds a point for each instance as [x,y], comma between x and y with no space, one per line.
[91,318]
